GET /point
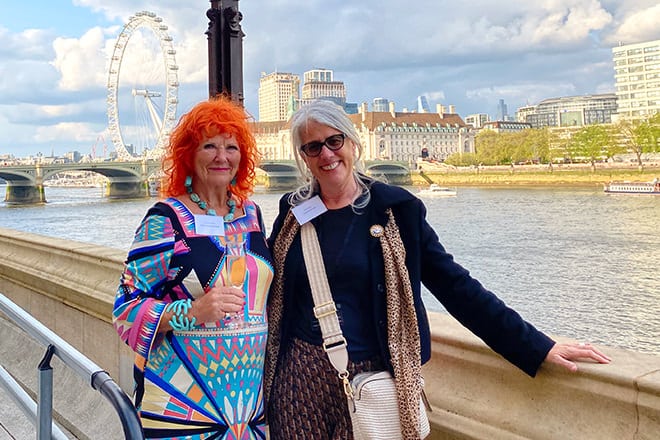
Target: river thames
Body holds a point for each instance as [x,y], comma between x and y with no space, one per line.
[575,262]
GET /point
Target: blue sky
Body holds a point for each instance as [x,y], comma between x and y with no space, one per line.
[54,56]
[62,16]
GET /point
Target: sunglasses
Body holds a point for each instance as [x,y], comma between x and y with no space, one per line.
[334,143]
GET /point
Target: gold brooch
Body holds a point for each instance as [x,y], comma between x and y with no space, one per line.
[376,230]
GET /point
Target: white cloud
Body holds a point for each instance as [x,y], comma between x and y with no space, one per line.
[81,62]
[528,93]
[638,26]
[470,54]
[65,131]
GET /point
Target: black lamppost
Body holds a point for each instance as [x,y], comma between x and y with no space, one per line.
[225,38]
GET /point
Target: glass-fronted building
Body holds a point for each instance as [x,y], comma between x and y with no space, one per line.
[637,76]
[570,111]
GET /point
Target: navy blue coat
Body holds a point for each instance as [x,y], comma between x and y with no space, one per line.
[463,297]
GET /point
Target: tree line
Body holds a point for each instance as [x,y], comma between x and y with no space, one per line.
[591,143]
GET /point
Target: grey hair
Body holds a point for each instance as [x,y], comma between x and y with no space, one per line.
[330,114]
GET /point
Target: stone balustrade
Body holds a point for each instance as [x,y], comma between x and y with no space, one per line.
[475,394]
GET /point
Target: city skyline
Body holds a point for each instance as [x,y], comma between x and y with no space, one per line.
[55,56]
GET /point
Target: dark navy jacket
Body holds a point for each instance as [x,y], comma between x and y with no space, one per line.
[427,261]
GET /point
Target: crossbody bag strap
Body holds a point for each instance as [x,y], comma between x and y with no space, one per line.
[325,310]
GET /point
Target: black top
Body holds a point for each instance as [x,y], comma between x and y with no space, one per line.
[427,261]
[343,237]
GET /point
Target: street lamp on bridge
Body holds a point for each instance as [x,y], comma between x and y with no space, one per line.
[225,43]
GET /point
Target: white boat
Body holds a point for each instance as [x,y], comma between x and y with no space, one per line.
[435,190]
[652,187]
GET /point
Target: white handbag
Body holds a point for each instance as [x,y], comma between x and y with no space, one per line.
[371,396]
[375,410]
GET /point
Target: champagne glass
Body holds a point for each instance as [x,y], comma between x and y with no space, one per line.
[234,273]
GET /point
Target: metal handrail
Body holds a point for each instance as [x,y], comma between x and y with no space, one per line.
[84,367]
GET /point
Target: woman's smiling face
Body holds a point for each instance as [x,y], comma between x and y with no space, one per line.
[331,168]
[216,161]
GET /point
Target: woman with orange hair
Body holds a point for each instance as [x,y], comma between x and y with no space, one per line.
[199,330]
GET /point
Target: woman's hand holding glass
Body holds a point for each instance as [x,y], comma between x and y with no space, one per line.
[234,275]
[218,303]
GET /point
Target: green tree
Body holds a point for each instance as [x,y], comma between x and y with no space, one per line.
[486,146]
[591,142]
[613,147]
[536,144]
[462,159]
[640,136]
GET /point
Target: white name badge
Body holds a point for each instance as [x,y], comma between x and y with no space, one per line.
[209,225]
[309,210]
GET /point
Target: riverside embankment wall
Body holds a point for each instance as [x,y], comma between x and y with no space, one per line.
[70,286]
[533,175]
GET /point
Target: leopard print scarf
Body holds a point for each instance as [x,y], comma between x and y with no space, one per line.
[402,330]
[403,333]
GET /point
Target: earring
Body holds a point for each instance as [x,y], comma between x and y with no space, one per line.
[233,181]
[188,182]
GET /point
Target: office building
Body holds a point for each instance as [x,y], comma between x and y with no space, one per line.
[408,136]
[319,84]
[386,135]
[502,111]
[637,77]
[279,93]
[477,120]
[351,108]
[380,105]
[570,111]
[506,126]
[522,112]
[423,105]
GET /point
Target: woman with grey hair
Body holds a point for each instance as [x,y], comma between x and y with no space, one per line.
[378,249]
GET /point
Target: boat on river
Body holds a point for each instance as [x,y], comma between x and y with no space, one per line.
[626,187]
[435,190]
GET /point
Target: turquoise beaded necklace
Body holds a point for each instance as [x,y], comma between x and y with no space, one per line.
[231,203]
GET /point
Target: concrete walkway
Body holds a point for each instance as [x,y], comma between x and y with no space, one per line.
[14,423]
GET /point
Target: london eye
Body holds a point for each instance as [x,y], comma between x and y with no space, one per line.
[142,88]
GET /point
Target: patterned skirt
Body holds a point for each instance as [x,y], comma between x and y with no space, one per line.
[307,400]
[206,384]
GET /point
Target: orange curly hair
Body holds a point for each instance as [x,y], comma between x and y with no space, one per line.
[218,115]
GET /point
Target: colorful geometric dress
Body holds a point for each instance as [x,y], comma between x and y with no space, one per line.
[205,383]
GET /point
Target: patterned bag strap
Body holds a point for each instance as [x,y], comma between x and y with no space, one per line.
[325,310]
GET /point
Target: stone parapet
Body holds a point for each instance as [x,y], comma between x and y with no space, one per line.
[475,394]
[69,287]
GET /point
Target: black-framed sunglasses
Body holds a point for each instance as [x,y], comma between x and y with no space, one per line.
[334,143]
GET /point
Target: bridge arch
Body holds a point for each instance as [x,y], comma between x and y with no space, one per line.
[23,185]
[397,173]
[126,179]
[281,174]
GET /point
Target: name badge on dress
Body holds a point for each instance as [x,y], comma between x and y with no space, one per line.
[309,210]
[209,225]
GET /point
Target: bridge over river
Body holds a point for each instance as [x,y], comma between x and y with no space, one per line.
[130,179]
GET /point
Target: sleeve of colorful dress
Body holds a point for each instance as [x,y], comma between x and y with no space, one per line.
[139,302]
